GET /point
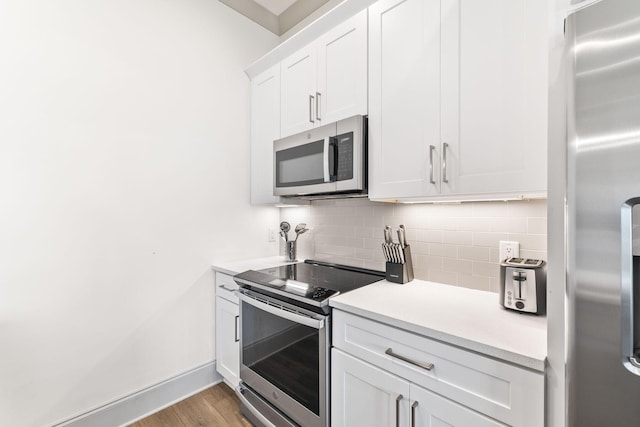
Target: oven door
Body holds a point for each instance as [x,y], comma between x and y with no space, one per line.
[284,355]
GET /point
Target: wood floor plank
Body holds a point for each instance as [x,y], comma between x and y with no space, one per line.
[214,407]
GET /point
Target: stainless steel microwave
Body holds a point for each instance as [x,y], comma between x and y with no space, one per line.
[325,161]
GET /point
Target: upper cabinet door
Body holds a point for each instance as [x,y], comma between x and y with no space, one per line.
[265,128]
[342,71]
[298,91]
[404,98]
[494,96]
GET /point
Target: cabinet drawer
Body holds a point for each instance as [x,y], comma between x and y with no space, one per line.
[500,390]
[226,287]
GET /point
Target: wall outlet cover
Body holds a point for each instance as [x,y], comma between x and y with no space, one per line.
[509,249]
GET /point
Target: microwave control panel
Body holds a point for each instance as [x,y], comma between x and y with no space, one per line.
[345,156]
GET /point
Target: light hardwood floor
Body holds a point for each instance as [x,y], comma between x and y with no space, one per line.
[215,406]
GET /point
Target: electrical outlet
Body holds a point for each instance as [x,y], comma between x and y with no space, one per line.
[272,234]
[509,249]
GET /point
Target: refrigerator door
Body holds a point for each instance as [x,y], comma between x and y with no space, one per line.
[603,188]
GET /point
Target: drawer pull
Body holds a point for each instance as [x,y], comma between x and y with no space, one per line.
[427,366]
[398,399]
[226,289]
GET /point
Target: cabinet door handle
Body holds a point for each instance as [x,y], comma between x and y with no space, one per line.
[237,338]
[311,108]
[318,106]
[413,413]
[431,150]
[398,399]
[444,162]
[427,366]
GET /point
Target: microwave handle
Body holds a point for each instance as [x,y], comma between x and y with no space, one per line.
[326,159]
[330,159]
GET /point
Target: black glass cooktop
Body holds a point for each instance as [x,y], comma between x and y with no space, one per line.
[310,280]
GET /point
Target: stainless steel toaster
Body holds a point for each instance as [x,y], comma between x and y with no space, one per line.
[523,285]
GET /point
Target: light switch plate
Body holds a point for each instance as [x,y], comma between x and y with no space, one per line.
[272,235]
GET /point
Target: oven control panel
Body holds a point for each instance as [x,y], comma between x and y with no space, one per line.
[320,294]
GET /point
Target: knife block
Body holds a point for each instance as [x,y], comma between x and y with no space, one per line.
[401,273]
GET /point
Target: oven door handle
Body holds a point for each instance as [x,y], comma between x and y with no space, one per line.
[297,318]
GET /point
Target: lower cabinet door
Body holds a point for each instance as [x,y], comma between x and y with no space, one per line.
[227,340]
[431,410]
[363,395]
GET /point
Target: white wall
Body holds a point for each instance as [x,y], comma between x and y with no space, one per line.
[124,173]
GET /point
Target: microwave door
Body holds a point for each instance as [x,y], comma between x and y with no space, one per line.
[305,163]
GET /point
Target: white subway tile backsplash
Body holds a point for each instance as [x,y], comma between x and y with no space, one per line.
[457,237]
[455,244]
[535,242]
[474,282]
[474,253]
[442,277]
[490,209]
[443,223]
[475,224]
[489,239]
[444,250]
[537,225]
[486,269]
[430,236]
[456,265]
[510,225]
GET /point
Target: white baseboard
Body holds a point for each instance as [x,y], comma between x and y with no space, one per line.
[145,402]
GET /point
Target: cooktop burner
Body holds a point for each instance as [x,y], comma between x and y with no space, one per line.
[310,281]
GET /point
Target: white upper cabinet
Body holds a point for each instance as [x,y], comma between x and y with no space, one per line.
[342,70]
[298,91]
[494,96]
[404,98]
[326,80]
[265,128]
[458,95]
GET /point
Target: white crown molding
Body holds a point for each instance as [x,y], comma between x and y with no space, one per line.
[277,24]
[256,13]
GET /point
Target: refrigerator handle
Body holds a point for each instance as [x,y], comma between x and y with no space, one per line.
[630,285]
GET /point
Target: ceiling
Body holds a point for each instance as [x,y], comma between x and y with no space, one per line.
[277,16]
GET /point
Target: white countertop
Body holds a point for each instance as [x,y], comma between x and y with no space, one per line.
[235,267]
[467,318]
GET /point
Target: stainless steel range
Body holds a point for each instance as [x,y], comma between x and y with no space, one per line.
[285,340]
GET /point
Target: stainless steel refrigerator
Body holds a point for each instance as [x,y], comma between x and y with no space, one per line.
[603,216]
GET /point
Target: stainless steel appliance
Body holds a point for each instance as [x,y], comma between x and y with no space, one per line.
[324,161]
[285,340]
[523,285]
[603,196]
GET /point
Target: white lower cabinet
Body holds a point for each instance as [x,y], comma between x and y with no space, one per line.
[366,395]
[382,375]
[430,410]
[227,332]
[363,395]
